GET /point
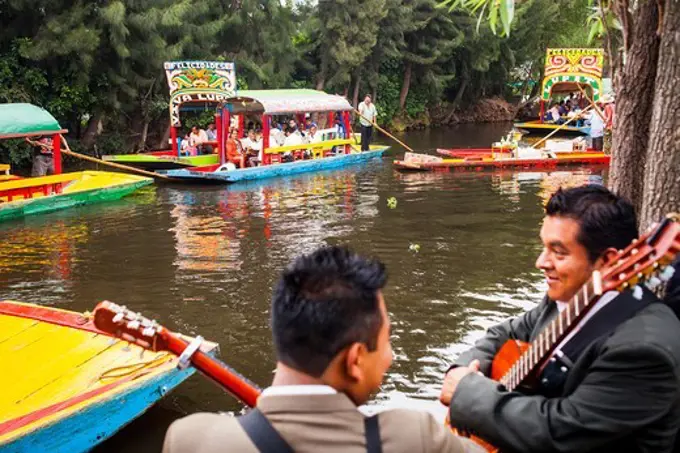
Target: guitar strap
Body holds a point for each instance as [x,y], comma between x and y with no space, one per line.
[268,440]
[599,326]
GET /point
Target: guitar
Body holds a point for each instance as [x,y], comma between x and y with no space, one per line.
[127,325]
[518,365]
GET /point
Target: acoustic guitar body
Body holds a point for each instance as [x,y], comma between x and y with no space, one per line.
[506,356]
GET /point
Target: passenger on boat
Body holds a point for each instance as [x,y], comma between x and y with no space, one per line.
[211,132]
[554,114]
[276,137]
[187,146]
[596,123]
[331,332]
[252,147]
[198,138]
[614,383]
[43,157]
[235,153]
[313,136]
[562,108]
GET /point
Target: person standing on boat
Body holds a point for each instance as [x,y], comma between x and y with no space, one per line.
[43,158]
[613,383]
[331,332]
[367,118]
[596,129]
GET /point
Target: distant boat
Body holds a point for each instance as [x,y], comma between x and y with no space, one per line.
[26,196]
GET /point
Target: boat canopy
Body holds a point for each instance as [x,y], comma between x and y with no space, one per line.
[277,102]
[26,120]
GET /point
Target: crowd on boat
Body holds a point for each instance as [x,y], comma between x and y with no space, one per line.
[600,119]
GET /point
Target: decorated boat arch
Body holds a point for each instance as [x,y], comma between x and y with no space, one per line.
[192,85]
[24,196]
[568,71]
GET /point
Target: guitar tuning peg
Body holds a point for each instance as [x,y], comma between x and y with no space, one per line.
[667,273]
[118,318]
[653,282]
[637,292]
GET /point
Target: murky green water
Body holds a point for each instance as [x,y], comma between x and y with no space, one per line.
[203,260]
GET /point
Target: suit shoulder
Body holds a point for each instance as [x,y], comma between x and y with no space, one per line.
[424,433]
[653,329]
[205,432]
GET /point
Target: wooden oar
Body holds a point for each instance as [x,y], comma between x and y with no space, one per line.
[559,128]
[68,151]
[590,101]
[385,132]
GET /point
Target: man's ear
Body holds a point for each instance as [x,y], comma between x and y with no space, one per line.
[606,258]
[354,357]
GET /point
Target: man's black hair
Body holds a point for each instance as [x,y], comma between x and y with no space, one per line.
[605,219]
[323,302]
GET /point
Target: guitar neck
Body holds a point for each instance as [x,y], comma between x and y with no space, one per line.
[552,335]
[219,372]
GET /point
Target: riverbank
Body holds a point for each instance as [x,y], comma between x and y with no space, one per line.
[485,111]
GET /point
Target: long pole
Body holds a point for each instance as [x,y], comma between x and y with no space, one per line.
[591,102]
[559,128]
[110,164]
[385,132]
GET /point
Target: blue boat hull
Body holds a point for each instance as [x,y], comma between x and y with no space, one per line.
[93,424]
[271,171]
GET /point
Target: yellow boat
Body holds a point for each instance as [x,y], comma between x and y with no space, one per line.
[20,197]
[66,386]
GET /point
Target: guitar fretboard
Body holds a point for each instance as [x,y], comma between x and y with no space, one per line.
[546,341]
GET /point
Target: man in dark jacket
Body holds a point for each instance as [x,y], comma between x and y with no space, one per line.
[622,391]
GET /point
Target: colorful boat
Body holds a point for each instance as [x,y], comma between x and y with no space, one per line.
[567,71]
[20,197]
[423,162]
[334,151]
[68,386]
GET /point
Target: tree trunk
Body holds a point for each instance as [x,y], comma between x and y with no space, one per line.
[662,172]
[635,96]
[93,128]
[355,95]
[142,140]
[163,142]
[405,85]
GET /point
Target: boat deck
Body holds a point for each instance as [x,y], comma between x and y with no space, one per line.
[57,368]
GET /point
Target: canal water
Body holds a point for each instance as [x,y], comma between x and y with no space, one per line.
[460,250]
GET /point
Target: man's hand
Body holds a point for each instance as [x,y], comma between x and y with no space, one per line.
[452,379]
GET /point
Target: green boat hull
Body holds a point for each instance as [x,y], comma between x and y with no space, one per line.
[52,203]
[151,162]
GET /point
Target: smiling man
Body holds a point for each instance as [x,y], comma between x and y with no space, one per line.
[619,390]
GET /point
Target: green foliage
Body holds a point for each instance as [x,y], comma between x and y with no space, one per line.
[97,66]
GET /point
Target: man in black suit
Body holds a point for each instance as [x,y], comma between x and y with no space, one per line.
[621,393]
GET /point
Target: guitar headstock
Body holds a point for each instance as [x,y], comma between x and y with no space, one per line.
[647,260]
[127,325]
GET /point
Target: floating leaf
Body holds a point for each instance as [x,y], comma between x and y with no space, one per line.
[391,202]
[415,248]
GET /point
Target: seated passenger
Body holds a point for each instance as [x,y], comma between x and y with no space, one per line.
[234,150]
[554,114]
[276,136]
[313,136]
[331,332]
[187,146]
[198,138]
[252,148]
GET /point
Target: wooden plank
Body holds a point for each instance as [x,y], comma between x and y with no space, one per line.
[11,326]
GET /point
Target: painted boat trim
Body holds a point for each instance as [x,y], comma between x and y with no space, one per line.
[271,171]
[502,163]
[149,161]
[538,126]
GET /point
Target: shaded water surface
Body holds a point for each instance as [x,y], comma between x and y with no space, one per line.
[203,260]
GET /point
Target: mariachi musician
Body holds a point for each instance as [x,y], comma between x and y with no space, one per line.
[612,384]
